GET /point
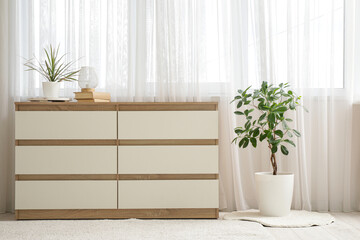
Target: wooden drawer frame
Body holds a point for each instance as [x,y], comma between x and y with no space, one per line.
[115,213]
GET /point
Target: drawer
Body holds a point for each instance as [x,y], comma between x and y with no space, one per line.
[168,124]
[65,195]
[65,124]
[168,159]
[65,159]
[143,194]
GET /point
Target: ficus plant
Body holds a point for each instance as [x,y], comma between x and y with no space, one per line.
[272,125]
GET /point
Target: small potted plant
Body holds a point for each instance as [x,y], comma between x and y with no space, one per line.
[53,70]
[274,189]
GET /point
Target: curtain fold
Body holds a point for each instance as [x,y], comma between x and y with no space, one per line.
[146,50]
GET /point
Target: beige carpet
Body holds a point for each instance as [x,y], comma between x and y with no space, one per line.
[132,229]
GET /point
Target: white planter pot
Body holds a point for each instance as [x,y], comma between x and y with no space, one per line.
[51,89]
[274,193]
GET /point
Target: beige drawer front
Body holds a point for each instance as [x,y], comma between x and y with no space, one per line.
[65,124]
[65,195]
[168,124]
[142,194]
[65,159]
[168,159]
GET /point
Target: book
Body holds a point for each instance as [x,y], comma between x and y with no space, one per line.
[92,95]
[93,100]
[43,99]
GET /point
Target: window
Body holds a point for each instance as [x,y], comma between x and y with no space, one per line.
[304,42]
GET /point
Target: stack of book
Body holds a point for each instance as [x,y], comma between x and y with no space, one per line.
[92,96]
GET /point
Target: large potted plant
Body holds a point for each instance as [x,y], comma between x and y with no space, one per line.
[274,189]
[53,70]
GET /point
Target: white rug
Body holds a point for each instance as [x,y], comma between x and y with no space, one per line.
[294,219]
[132,229]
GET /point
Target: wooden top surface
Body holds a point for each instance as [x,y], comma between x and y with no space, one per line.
[116,106]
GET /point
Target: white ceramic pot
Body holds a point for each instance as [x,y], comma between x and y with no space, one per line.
[51,89]
[274,193]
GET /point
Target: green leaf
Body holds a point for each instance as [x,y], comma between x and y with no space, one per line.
[262,136]
[239,131]
[262,117]
[280,109]
[239,113]
[296,133]
[274,149]
[239,104]
[234,140]
[271,118]
[235,98]
[279,133]
[244,93]
[284,150]
[253,142]
[285,126]
[292,105]
[256,132]
[246,143]
[242,141]
[290,142]
[288,120]
[247,125]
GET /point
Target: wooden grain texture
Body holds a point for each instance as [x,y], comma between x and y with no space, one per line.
[42,177]
[169,106]
[62,142]
[117,213]
[153,142]
[64,106]
[113,106]
[167,176]
[126,142]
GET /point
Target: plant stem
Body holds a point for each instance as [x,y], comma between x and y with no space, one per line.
[273,163]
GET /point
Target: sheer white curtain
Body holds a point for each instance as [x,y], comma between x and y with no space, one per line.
[142,50]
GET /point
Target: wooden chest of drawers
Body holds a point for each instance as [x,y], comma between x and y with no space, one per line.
[116,160]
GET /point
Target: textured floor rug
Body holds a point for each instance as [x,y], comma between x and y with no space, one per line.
[294,219]
[132,229]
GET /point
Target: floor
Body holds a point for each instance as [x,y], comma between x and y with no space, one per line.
[346,227]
